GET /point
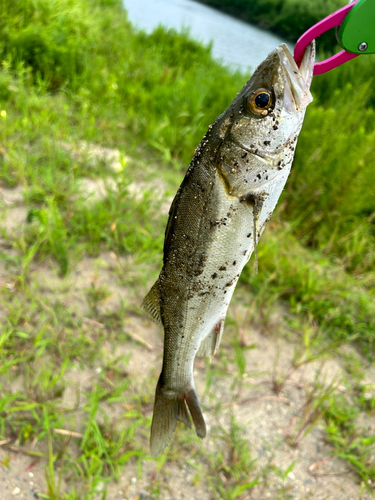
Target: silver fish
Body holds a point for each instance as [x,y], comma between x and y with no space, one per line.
[215,221]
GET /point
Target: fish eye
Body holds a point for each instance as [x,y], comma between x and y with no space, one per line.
[260,101]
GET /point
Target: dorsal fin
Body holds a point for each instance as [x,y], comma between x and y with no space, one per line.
[151,304]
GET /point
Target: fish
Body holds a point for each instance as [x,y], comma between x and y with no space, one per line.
[229,192]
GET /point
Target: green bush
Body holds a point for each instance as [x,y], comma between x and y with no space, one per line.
[163,90]
[55,38]
[329,198]
[288,18]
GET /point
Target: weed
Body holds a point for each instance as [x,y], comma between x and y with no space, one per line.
[313,408]
[283,476]
[95,295]
[231,470]
[349,443]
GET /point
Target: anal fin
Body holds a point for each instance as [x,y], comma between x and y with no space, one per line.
[210,344]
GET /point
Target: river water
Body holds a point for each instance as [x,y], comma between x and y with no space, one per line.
[236,43]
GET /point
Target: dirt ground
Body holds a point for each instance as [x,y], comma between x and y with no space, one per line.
[317,474]
[269,420]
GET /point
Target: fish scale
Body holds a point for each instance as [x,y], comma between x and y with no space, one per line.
[216,219]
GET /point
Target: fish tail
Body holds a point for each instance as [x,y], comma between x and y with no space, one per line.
[170,407]
[196,412]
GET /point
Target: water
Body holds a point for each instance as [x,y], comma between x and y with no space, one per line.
[236,43]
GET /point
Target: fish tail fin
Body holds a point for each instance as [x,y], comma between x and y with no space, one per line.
[196,412]
[170,407]
[164,419]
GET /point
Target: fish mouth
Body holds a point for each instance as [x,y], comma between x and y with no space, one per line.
[297,81]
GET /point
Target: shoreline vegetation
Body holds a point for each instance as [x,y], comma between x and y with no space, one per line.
[287,18]
[75,75]
[160,92]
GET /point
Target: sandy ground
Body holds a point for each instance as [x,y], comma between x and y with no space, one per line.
[269,420]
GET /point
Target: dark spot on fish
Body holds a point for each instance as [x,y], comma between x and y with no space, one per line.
[279,163]
[249,235]
[234,262]
[275,127]
[201,188]
[259,176]
[230,283]
[225,291]
[266,177]
[244,155]
[244,252]
[222,268]
[213,276]
[267,143]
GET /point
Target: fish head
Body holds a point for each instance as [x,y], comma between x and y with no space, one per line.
[257,134]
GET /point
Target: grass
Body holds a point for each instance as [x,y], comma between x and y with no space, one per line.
[74,269]
[323,294]
[230,470]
